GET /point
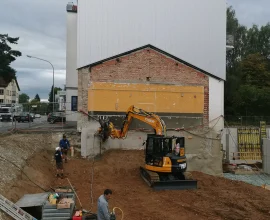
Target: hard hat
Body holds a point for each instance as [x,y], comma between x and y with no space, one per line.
[58,148]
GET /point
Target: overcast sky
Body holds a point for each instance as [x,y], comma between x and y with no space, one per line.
[41,26]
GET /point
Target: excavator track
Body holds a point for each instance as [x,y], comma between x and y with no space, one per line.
[153,180]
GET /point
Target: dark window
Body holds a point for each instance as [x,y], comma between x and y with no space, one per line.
[1,91]
[74,103]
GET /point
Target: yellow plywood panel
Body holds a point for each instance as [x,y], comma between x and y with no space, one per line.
[154,98]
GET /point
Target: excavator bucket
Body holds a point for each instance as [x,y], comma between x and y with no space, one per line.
[152,179]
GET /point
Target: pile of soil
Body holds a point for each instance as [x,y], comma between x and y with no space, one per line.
[216,197]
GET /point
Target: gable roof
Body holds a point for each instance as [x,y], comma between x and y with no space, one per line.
[3,83]
[156,49]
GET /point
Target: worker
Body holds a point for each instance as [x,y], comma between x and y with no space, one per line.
[103,209]
[64,144]
[59,162]
[177,149]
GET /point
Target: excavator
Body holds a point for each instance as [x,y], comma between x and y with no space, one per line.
[165,161]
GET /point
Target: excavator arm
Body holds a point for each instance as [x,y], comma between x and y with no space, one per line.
[149,118]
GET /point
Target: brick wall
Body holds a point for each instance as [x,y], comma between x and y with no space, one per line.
[143,66]
[83,83]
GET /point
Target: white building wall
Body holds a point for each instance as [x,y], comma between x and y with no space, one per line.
[216,103]
[192,30]
[11,93]
[71,64]
[70,115]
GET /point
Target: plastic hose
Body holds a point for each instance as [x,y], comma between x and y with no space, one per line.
[120,210]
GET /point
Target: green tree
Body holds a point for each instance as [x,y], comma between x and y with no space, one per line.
[247,68]
[34,105]
[37,98]
[23,98]
[255,71]
[7,56]
[50,106]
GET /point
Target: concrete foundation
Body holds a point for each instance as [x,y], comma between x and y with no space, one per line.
[204,153]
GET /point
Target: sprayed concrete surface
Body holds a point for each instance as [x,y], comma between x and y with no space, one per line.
[204,153]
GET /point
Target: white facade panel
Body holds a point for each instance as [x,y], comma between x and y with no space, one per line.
[192,30]
[71,51]
[216,103]
[70,115]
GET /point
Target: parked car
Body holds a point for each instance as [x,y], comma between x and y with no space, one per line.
[56,117]
[32,115]
[25,116]
[37,116]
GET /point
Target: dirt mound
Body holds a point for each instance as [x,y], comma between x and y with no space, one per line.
[216,198]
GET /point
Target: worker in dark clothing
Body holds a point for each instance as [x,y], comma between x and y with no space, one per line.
[64,145]
[59,162]
[103,212]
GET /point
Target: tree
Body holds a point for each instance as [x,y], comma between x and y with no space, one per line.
[23,98]
[248,69]
[255,71]
[7,56]
[50,106]
[55,92]
[37,98]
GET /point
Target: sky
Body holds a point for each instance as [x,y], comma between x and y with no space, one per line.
[41,26]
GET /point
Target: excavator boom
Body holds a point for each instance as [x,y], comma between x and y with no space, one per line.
[162,169]
[135,113]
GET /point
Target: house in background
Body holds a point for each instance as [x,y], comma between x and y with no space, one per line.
[9,92]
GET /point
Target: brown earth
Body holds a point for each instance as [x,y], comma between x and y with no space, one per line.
[216,198]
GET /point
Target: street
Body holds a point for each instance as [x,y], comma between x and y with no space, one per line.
[5,126]
[38,123]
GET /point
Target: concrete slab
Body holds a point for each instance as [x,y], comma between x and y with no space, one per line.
[32,200]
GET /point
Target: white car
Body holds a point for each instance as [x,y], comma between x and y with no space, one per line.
[37,116]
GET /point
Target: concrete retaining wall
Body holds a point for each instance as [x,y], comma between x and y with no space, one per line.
[203,154]
[266,156]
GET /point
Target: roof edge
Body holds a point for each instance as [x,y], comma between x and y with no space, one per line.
[17,84]
[156,49]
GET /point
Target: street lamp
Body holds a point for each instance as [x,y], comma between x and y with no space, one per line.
[53,73]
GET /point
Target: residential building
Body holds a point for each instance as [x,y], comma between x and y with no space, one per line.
[9,92]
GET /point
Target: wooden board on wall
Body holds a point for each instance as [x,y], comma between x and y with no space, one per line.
[117,97]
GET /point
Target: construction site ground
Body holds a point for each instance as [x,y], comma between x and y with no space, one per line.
[216,197]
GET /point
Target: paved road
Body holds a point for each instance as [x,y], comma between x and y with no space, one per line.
[38,123]
[5,126]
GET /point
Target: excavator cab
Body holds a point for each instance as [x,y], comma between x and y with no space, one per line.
[165,163]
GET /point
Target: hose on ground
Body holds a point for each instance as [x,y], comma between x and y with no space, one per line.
[120,210]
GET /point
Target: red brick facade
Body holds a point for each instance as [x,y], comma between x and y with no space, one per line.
[151,66]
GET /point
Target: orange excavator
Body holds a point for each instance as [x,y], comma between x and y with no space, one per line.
[165,161]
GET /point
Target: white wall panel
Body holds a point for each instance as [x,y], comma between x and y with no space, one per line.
[71,51]
[216,103]
[192,30]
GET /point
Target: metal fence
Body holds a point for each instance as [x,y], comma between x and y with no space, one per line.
[35,115]
[246,121]
[44,108]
